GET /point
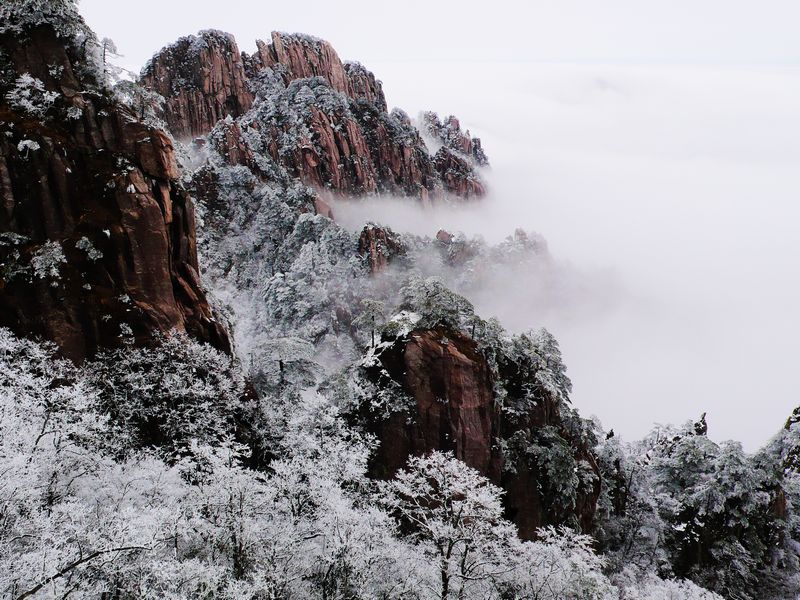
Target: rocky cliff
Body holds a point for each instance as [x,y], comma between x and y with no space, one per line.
[448,133]
[301,57]
[97,237]
[202,80]
[456,401]
[310,116]
[379,245]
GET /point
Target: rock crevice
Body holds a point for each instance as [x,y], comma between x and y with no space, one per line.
[308,113]
[97,237]
[453,407]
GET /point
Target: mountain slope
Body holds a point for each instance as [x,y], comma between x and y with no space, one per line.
[98,237]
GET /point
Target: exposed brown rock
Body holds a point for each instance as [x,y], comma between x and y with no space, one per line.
[457,174]
[202,80]
[444,237]
[448,133]
[380,245]
[227,140]
[321,207]
[301,56]
[91,183]
[334,156]
[362,85]
[791,453]
[356,149]
[793,418]
[454,409]
[347,150]
[399,157]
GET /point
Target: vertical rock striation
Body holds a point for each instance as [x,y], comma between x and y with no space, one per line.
[97,238]
[202,80]
[379,245]
[453,406]
[310,115]
[298,56]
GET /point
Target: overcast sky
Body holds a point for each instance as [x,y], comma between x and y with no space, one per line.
[654,144]
[727,31]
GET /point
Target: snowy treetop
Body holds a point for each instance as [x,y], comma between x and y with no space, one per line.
[303,38]
[18,16]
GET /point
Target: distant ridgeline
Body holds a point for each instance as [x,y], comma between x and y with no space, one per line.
[262,403]
[295,106]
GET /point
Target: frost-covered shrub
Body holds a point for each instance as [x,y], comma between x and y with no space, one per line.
[552,458]
[77,522]
[25,147]
[679,504]
[643,585]
[13,263]
[86,245]
[166,396]
[17,16]
[145,104]
[47,260]
[454,515]
[436,304]
[283,362]
[559,564]
[533,361]
[30,96]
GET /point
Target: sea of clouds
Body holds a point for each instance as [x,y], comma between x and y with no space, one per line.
[670,200]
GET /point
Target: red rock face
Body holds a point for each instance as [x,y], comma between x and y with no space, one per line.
[399,157]
[347,150]
[202,81]
[229,143]
[380,246]
[355,150]
[321,207]
[453,409]
[336,156]
[98,239]
[301,56]
[454,404]
[457,174]
[362,85]
[449,134]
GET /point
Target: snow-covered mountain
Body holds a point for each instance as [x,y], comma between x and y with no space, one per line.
[210,388]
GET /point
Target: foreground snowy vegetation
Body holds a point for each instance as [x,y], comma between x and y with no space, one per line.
[84,512]
[177,471]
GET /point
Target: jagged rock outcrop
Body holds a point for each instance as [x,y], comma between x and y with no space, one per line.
[313,116]
[790,451]
[297,56]
[363,85]
[452,405]
[454,408]
[97,238]
[310,132]
[226,139]
[457,174]
[399,157]
[202,80]
[456,250]
[324,148]
[449,134]
[380,245]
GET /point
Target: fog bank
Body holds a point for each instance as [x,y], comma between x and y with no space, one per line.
[669,196]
